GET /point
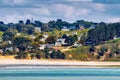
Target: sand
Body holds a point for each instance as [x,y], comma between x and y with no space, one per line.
[56,63]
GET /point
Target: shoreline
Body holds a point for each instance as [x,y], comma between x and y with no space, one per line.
[14,63]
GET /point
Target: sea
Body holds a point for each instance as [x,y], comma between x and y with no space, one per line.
[59,73]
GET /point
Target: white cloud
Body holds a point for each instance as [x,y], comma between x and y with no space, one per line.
[79,0]
[19,1]
[63,10]
[8,2]
[41,11]
[113,19]
[69,11]
[100,7]
[15,18]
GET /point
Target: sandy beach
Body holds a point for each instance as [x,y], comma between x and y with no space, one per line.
[55,63]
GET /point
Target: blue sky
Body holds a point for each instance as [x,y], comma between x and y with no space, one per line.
[69,10]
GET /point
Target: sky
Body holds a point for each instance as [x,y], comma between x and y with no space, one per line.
[67,10]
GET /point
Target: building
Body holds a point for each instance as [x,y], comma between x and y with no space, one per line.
[42,47]
[1,51]
[82,27]
[65,28]
[18,34]
[9,49]
[116,37]
[77,44]
[32,36]
[92,27]
[72,27]
[60,42]
[37,29]
[79,37]
[45,36]
[49,45]
[74,33]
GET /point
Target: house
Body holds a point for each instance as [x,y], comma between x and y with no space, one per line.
[80,37]
[42,47]
[92,27]
[60,42]
[116,37]
[45,36]
[16,49]
[77,44]
[74,33]
[1,51]
[9,49]
[37,29]
[43,39]
[32,36]
[82,27]
[18,34]
[9,42]
[72,27]
[65,28]
[89,43]
[49,45]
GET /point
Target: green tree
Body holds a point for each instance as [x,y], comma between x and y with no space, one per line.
[51,39]
[83,39]
[8,36]
[22,43]
[92,48]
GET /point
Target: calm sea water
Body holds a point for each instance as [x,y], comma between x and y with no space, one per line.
[60,74]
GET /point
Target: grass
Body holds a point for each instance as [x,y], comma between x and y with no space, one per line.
[59,33]
[80,53]
[1,33]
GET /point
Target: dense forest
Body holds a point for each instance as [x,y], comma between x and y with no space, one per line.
[103,32]
[22,26]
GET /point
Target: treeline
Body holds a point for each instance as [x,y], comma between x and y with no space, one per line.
[28,25]
[103,32]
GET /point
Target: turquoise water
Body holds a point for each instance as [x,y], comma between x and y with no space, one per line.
[60,74]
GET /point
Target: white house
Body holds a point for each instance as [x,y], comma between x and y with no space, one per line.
[77,44]
[42,46]
[92,27]
[45,36]
[60,42]
[43,39]
[50,45]
[32,36]
[116,37]
[82,27]
[9,49]
[80,37]
[65,28]
[18,34]
[74,33]
[1,51]
[37,29]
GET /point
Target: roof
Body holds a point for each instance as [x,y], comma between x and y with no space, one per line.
[72,27]
[60,40]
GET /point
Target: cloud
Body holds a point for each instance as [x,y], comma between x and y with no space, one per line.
[107,1]
[100,7]
[113,19]
[19,1]
[69,10]
[79,0]
[40,11]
